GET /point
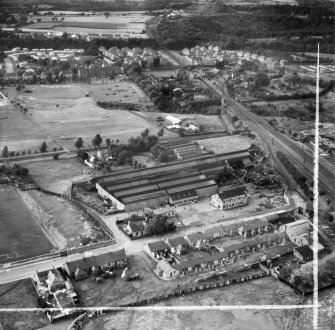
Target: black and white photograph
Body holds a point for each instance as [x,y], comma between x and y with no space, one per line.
[167,165]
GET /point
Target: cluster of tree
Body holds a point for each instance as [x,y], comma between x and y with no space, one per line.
[159,225]
[15,170]
[235,30]
[5,153]
[122,152]
[9,40]
[159,152]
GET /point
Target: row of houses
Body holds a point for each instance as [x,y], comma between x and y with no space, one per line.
[129,56]
[209,55]
[198,240]
[167,269]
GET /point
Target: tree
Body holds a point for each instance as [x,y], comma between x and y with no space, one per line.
[124,156]
[97,141]
[43,148]
[82,154]
[79,143]
[156,62]
[108,142]
[160,132]
[220,65]
[163,156]
[39,20]
[4,152]
[135,163]
[261,80]
[24,171]
[106,13]
[145,133]
[55,156]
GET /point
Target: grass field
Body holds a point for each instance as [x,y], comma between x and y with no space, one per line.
[226,143]
[66,219]
[116,92]
[20,236]
[79,116]
[18,133]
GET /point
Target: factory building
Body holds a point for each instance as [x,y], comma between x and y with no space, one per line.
[177,183]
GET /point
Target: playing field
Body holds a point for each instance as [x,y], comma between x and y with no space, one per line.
[66,114]
[226,143]
[20,236]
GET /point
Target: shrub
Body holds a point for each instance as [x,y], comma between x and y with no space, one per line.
[55,156]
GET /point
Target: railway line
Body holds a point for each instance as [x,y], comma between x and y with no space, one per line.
[280,142]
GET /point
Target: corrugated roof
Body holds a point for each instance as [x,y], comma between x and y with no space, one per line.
[183,194]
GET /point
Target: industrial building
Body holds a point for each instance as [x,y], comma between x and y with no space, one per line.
[176,183]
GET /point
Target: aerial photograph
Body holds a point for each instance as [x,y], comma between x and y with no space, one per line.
[167,165]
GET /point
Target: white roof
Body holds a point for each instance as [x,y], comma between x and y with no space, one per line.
[172,119]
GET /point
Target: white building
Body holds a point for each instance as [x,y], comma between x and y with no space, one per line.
[173,120]
[229,199]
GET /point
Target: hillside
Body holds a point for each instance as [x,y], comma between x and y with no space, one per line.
[214,8]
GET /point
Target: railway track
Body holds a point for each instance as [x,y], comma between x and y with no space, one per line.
[280,142]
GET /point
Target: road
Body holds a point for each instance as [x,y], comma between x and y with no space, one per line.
[131,247]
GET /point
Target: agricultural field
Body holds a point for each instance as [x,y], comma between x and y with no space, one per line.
[66,113]
[225,144]
[116,92]
[20,236]
[25,136]
[116,23]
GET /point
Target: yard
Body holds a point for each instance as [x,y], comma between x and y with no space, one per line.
[20,236]
[66,113]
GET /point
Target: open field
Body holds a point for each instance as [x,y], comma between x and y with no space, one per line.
[20,294]
[226,144]
[20,236]
[79,116]
[265,291]
[57,175]
[69,222]
[19,134]
[116,92]
[116,23]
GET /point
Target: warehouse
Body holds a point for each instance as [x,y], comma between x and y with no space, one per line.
[177,183]
[157,190]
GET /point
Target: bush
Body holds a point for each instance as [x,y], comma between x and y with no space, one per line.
[55,156]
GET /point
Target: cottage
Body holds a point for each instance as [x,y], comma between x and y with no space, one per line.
[303,253]
[214,232]
[253,227]
[165,270]
[136,228]
[230,198]
[55,281]
[177,245]
[156,249]
[196,240]
[80,267]
[299,232]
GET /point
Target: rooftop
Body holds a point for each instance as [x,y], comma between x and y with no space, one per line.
[174,242]
[227,194]
[305,251]
[157,246]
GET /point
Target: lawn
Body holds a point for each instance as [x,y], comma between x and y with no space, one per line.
[20,236]
[66,114]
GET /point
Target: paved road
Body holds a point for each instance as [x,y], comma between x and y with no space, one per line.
[123,241]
